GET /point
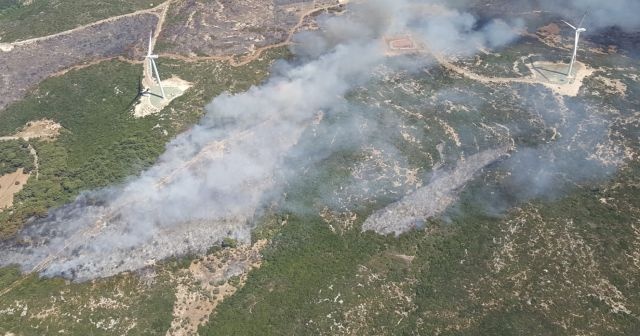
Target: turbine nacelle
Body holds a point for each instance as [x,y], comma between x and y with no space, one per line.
[578,30]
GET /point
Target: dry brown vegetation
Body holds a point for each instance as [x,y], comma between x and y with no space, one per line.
[207,282]
[10,184]
[43,128]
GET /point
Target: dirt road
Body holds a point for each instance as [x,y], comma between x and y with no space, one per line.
[153,10]
[567,89]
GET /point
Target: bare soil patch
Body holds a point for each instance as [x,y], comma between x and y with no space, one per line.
[10,184]
[43,128]
[400,45]
[613,86]
[207,282]
[553,76]
[152,102]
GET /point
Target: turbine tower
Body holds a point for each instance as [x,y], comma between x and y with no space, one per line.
[578,30]
[152,63]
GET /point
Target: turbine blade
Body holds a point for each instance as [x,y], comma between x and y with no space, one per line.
[570,25]
[133,103]
[150,38]
[135,99]
[582,20]
[155,69]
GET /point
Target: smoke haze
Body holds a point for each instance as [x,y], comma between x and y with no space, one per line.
[213,179]
[600,14]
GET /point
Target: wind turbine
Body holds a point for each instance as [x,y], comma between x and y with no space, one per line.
[578,30]
[152,62]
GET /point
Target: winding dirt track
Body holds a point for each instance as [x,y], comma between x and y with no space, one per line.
[233,61]
[94,62]
[161,12]
[561,89]
[153,10]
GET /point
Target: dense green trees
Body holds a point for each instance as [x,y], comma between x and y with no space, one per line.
[15,154]
[101,142]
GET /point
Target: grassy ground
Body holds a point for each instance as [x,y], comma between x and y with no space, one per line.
[19,21]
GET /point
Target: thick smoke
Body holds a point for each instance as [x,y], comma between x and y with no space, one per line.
[212,180]
[456,32]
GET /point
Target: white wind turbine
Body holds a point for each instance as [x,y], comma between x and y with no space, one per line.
[152,62]
[578,30]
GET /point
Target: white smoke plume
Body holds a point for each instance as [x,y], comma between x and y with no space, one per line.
[213,178]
